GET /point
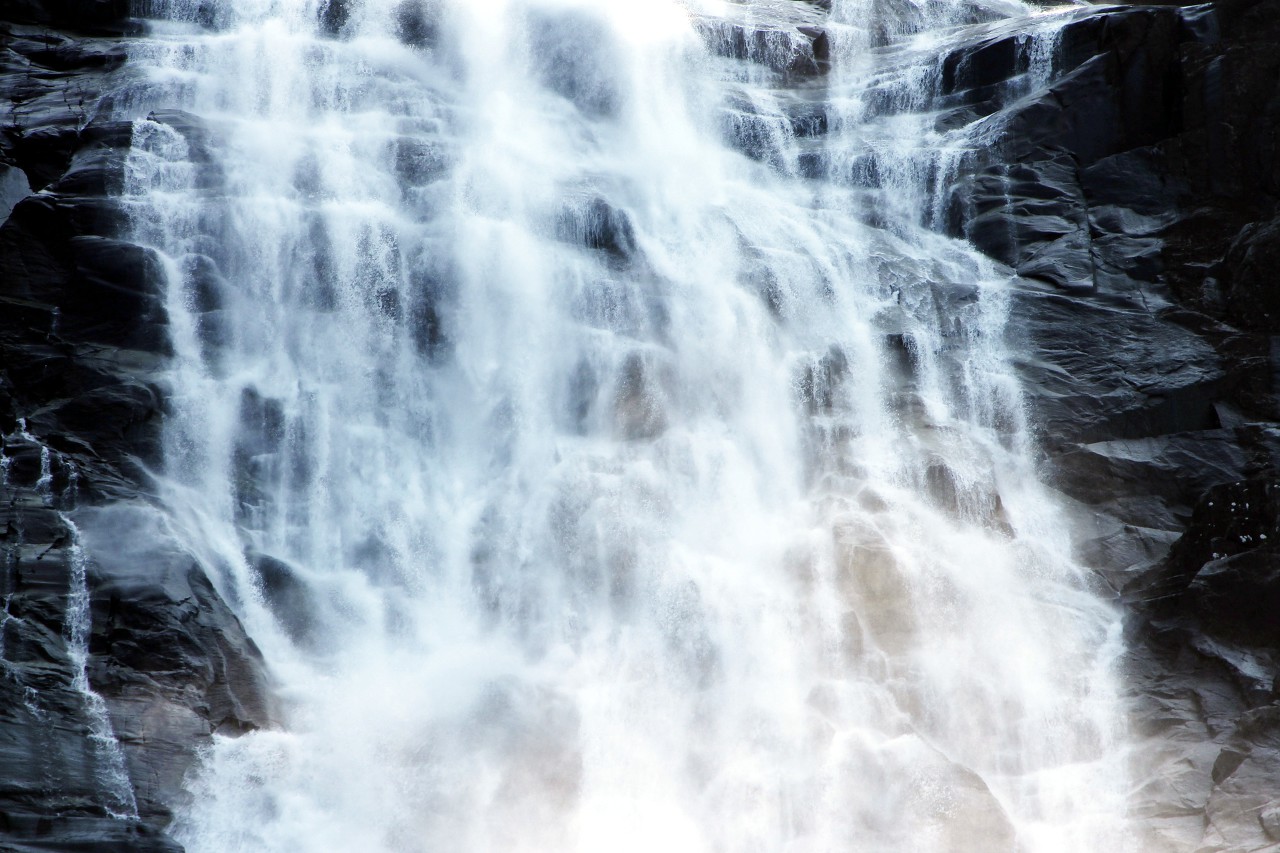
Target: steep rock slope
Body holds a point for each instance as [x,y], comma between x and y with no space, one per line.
[1137,195]
[117,656]
[1135,192]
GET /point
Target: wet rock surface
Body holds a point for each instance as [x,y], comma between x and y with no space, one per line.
[1135,190]
[784,36]
[83,340]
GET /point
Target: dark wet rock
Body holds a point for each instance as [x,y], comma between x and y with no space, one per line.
[803,51]
[430,299]
[198,142]
[83,340]
[419,162]
[418,23]
[90,17]
[891,19]
[14,187]
[597,224]
[48,81]
[581,394]
[70,833]
[1110,369]
[1249,289]
[334,15]
[169,658]
[782,44]
[1137,193]
[1223,574]
[765,136]
[1236,597]
[758,136]
[288,594]
[820,381]
[75,361]
[788,39]
[172,661]
[982,65]
[258,453]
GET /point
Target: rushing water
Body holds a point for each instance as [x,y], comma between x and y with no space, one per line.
[599,444]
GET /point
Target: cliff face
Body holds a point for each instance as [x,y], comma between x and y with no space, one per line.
[1137,196]
[1136,193]
[83,344]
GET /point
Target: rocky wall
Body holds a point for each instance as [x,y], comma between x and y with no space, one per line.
[1137,194]
[1134,190]
[83,343]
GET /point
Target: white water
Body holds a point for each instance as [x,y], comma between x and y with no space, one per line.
[107,761]
[726,537]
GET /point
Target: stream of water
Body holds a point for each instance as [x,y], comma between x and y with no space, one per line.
[599,443]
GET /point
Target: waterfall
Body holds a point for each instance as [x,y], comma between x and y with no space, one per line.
[108,759]
[574,402]
[104,758]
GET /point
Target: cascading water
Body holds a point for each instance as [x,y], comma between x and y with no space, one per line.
[602,457]
[105,760]
[109,762]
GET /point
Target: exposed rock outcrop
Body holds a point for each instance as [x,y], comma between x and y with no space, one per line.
[1134,189]
[785,37]
[118,658]
[1137,194]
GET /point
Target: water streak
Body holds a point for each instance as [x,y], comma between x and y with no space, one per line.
[108,759]
[107,762]
[576,406]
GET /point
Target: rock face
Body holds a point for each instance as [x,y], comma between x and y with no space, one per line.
[1134,188]
[118,658]
[1137,194]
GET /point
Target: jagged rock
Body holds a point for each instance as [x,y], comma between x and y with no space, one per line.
[1269,817]
[821,380]
[596,224]
[1250,292]
[419,162]
[787,38]
[13,189]
[171,659]
[59,793]
[764,136]
[1138,193]
[1106,369]
[83,340]
[287,592]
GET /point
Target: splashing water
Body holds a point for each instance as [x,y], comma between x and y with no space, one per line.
[575,406]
